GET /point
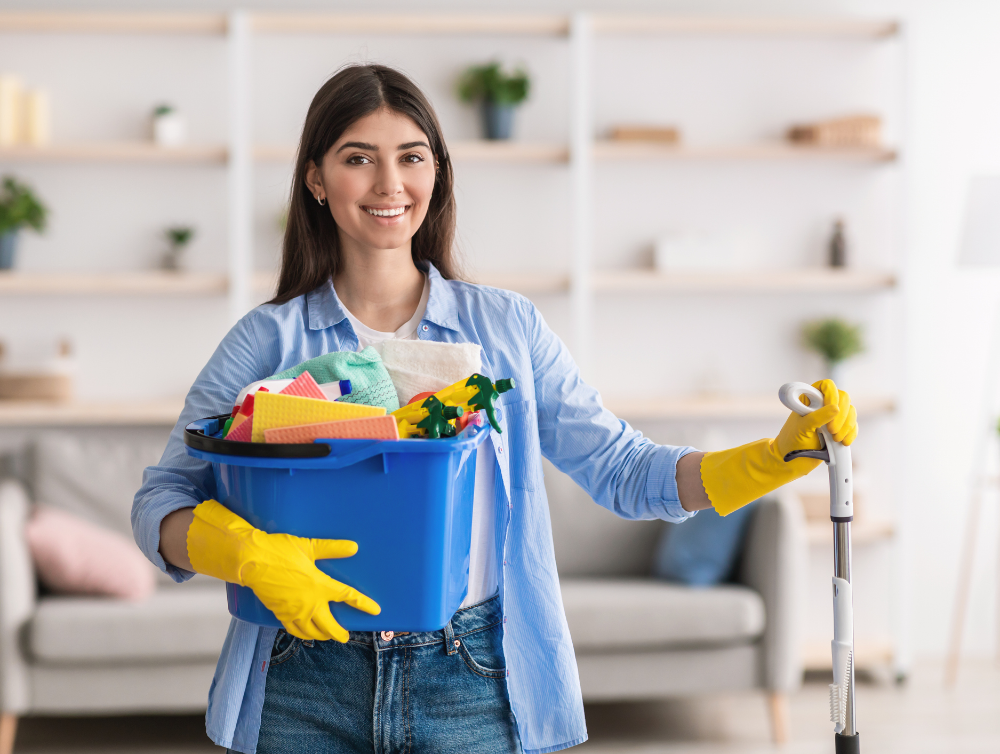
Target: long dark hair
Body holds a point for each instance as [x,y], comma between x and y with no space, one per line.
[311,250]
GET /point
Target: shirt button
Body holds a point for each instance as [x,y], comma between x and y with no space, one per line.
[499,448]
[426,328]
[387,635]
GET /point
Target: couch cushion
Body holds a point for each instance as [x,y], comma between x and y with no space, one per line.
[182,623]
[609,614]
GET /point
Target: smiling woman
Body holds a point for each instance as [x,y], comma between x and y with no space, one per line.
[372,180]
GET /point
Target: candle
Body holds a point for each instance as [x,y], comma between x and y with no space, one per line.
[10,109]
[37,119]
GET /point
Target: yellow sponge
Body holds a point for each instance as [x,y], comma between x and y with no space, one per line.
[272,410]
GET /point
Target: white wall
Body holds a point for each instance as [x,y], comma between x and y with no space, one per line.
[949,135]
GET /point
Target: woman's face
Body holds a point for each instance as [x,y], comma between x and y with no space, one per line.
[377,180]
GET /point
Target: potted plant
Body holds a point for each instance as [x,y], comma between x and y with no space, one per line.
[835,340]
[497,92]
[169,126]
[177,239]
[19,207]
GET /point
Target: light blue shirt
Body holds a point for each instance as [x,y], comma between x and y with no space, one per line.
[552,412]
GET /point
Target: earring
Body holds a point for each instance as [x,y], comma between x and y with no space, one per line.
[321,200]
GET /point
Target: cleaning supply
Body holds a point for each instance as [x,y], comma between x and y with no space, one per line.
[370,382]
[272,410]
[427,418]
[475,394]
[280,568]
[304,386]
[242,415]
[372,427]
[419,366]
[331,390]
[735,477]
[837,456]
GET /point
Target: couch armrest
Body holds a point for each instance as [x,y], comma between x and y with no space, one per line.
[773,564]
[17,597]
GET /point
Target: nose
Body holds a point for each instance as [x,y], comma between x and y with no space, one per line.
[388,180]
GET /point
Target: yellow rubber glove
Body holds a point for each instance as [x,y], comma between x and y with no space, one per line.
[280,568]
[733,478]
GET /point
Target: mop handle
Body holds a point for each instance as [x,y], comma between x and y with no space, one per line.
[838,460]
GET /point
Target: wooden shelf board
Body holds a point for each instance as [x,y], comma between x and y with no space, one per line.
[113,283]
[817,280]
[802,26]
[702,407]
[479,150]
[816,655]
[526,282]
[138,151]
[424,23]
[114,23]
[608,149]
[863,531]
[90,413]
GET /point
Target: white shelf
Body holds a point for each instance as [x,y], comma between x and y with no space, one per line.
[137,151]
[479,150]
[864,531]
[701,407]
[607,150]
[114,23]
[818,280]
[402,23]
[721,25]
[152,282]
[526,282]
[86,413]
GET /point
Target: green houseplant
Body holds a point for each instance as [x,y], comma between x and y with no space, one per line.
[177,239]
[498,92]
[19,207]
[835,340]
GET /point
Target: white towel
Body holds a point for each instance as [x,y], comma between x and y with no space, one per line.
[420,366]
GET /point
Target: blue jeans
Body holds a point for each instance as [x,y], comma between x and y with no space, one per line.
[381,693]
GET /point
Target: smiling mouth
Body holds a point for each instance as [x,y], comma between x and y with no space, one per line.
[388,212]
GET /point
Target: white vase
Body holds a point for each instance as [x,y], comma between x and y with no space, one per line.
[835,372]
[169,130]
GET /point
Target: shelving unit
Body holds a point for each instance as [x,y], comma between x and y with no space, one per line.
[90,413]
[632,150]
[112,152]
[742,407]
[152,282]
[819,280]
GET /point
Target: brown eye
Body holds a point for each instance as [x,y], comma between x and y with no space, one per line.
[413,158]
[358,159]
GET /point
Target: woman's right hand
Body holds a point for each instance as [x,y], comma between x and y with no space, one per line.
[279,568]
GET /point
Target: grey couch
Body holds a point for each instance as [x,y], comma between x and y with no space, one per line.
[635,637]
[640,638]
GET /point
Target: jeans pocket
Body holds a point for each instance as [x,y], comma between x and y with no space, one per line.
[285,647]
[482,652]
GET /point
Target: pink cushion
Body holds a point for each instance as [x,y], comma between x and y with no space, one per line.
[73,556]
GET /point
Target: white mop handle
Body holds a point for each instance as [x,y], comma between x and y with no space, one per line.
[843,650]
[839,465]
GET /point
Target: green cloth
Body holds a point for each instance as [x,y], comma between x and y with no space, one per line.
[370,382]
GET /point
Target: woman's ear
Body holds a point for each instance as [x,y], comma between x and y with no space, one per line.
[314,181]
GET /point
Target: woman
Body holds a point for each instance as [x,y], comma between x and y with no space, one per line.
[368,257]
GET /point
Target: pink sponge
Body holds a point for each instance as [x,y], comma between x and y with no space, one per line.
[373,427]
[243,432]
[304,386]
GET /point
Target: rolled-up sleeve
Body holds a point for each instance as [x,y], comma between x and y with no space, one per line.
[615,464]
[179,480]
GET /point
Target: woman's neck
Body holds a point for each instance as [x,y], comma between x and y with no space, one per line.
[381,287]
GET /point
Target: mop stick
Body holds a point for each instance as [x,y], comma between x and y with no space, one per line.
[838,460]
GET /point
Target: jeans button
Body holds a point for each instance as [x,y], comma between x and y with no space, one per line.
[387,635]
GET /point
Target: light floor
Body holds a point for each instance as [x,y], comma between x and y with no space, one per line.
[919,717]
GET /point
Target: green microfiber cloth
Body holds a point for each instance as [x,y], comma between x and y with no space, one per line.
[370,382]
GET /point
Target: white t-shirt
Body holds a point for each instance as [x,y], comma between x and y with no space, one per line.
[483,580]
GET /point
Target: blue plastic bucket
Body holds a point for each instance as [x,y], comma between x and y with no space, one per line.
[407,503]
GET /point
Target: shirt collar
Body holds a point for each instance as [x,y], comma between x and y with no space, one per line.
[325,309]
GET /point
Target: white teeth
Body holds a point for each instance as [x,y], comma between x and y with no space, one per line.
[386,212]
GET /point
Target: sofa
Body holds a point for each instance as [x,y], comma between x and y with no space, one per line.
[635,637]
[640,638]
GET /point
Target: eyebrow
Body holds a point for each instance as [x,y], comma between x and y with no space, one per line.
[374,148]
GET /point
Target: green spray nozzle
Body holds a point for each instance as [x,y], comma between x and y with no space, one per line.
[486,394]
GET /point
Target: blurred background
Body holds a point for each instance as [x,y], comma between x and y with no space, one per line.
[704,199]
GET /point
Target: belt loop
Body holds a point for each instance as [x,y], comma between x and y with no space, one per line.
[449,639]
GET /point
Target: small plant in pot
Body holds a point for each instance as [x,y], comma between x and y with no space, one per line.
[498,92]
[836,341]
[177,239]
[19,208]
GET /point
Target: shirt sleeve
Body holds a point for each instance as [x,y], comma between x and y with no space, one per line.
[180,480]
[615,464]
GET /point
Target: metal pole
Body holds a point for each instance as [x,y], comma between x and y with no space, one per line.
[240,175]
